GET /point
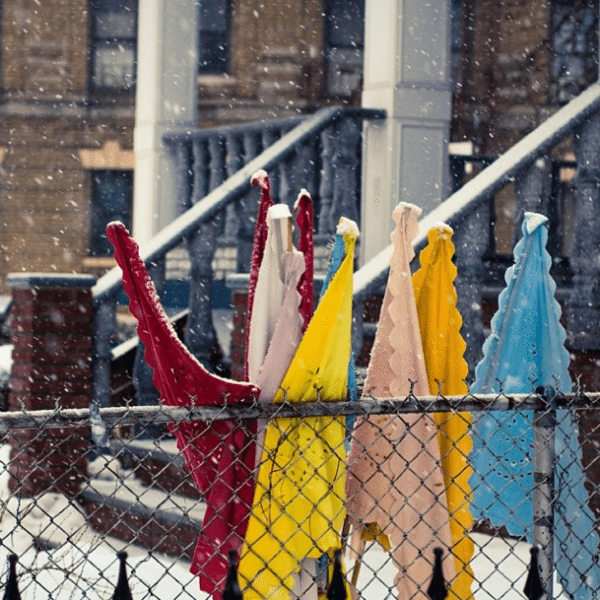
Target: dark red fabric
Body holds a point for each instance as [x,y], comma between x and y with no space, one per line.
[258,248]
[220,455]
[304,220]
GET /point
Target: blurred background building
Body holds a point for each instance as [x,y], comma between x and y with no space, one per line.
[68,79]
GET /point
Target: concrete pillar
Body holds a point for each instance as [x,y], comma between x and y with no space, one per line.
[166,99]
[583,309]
[407,73]
[51,333]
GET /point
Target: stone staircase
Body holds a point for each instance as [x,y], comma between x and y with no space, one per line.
[145,496]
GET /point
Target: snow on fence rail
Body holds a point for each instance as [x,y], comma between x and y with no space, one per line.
[135,495]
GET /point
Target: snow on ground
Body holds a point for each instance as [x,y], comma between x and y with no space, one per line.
[500,567]
[75,561]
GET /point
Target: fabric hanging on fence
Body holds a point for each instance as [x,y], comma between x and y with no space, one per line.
[525,350]
[215,454]
[395,481]
[298,508]
[337,255]
[260,179]
[303,208]
[447,370]
[276,322]
[275,325]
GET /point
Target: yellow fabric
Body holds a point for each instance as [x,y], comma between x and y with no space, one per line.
[440,323]
[299,501]
[371,532]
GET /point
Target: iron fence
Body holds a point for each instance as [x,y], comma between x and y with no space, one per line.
[79,486]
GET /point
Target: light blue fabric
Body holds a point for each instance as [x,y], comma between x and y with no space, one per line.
[524,350]
[337,256]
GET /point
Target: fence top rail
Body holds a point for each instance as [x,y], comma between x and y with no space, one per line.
[492,179]
[141,415]
[236,185]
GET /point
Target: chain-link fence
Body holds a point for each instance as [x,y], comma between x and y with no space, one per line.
[78,486]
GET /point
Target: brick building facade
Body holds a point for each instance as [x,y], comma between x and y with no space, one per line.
[67,95]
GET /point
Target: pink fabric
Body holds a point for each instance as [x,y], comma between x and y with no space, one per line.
[394,477]
[304,220]
[275,327]
[276,323]
[219,455]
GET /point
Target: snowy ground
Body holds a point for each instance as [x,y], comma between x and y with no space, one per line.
[81,563]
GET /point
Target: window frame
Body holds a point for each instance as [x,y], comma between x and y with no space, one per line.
[225,36]
[99,219]
[330,49]
[96,41]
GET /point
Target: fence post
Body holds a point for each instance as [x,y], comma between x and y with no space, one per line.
[544,427]
[51,333]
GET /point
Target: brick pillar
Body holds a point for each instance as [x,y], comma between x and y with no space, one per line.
[238,284]
[51,333]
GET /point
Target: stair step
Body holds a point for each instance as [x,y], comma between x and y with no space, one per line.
[158,521]
[158,464]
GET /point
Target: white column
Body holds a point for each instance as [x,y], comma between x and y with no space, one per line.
[166,99]
[407,73]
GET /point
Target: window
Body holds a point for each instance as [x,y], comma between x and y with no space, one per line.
[213,51]
[113,44]
[573,48]
[344,46]
[112,200]
[461,46]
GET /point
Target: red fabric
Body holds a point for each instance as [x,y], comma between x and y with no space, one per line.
[304,220]
[258,248]
[219,455]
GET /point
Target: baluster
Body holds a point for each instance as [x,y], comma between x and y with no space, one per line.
[269,137]
[181,165]
[200,170]
[583,315]
[235,161]
[248,208]
[358,338]
[147,395]
[532,189]
[556,230]
[200,334]
[326,226]
[345,172]
[295,174]
[104,327]
[471,241]
[311,175]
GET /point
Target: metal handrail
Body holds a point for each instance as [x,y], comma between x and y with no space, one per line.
[493,178]
[179,136]
[233,188]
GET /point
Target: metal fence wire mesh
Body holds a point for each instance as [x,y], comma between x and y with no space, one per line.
[79,486]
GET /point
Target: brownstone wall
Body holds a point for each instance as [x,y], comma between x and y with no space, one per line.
[277,68]
[46,117]
[45,193]
[505,95]
[51,332]
[44,48]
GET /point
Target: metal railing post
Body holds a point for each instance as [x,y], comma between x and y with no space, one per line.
[544,426]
